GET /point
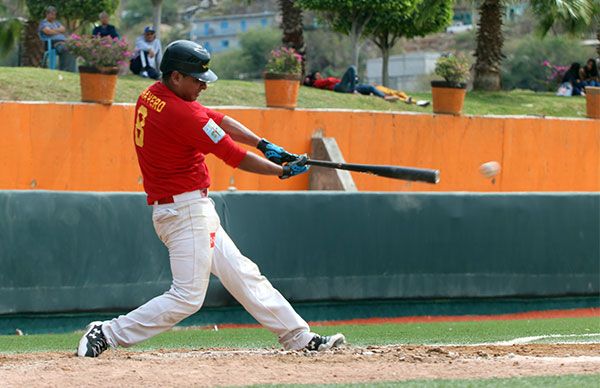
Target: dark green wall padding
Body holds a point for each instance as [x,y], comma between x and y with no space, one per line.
[66,251]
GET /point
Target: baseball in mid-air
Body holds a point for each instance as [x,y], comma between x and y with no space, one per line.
[490,169]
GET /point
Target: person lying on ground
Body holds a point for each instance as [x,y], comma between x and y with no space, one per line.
[349,84]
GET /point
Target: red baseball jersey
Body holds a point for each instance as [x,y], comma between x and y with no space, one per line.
[172,137]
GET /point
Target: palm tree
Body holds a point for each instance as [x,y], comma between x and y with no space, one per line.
[291,24]
[489,45]
[573,20]
[490,38]
[10,26]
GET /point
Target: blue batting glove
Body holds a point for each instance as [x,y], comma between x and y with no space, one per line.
[296,167]
[275,153]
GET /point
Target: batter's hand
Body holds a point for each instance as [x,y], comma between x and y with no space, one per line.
[296,167]
[275,153]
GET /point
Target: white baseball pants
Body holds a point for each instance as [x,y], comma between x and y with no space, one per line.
[198,245]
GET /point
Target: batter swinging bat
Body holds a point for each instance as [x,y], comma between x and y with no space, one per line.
[395,172]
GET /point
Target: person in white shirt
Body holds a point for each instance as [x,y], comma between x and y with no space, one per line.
[148,53]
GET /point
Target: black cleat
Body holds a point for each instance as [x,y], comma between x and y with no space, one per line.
[320,343]
[93,342]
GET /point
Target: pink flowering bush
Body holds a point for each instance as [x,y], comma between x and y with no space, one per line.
[554,74]
[284,61]
[99,52]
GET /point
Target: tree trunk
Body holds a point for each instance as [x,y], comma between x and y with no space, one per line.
[32,48]
[156,16]
[489,46]
[598,37]
[355,39]
[291,25]
[385,60]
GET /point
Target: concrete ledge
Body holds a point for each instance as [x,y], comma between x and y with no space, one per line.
[326,148]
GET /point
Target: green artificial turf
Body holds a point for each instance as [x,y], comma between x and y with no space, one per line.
[580,381]
[357,335]
[34,84]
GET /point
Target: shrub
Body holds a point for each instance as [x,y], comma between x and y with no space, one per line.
[249,61]
[554,74]
[232,64]
[524,66]
[453,68]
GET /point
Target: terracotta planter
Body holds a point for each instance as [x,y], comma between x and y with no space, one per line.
[98,84]
[592,99]
[448,97]
[281,90]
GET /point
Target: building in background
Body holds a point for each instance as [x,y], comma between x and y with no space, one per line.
[221,33]
[405,70]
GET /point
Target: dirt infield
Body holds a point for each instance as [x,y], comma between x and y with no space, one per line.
[218,367]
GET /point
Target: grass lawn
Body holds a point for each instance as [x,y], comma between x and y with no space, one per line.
[34,84]
[360,335]
[531,382]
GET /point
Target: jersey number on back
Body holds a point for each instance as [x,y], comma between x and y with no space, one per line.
[140,121]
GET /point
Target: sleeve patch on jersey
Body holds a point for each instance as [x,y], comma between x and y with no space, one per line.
[214,131]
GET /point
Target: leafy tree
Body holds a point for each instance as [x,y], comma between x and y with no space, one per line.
[425,17]
[142,11]
[249,61]
[231,64]
[257,44]
[156,16]
[330,52]
[490,38]
[351,17]
[75,14]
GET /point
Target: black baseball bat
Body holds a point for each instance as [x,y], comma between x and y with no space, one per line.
[395,172]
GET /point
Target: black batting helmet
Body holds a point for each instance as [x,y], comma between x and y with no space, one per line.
[189,58]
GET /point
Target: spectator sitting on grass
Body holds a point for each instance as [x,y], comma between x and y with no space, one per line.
[348,84]
[589,73]
[148,52]
[571,78]
[105,29]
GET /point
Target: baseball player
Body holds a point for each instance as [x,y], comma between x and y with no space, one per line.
[172,134]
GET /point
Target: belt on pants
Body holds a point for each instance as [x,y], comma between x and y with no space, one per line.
[188,196]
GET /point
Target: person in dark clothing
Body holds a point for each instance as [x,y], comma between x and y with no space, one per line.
[105,29]
[572,77]
[588,74]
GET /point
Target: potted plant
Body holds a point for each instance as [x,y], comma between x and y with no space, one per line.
[282,78]
[101,59]
[449,95]
[592,99]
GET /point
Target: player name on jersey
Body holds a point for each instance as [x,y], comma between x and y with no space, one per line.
[153,102]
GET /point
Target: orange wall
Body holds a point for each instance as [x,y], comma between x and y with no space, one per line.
[59,146]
